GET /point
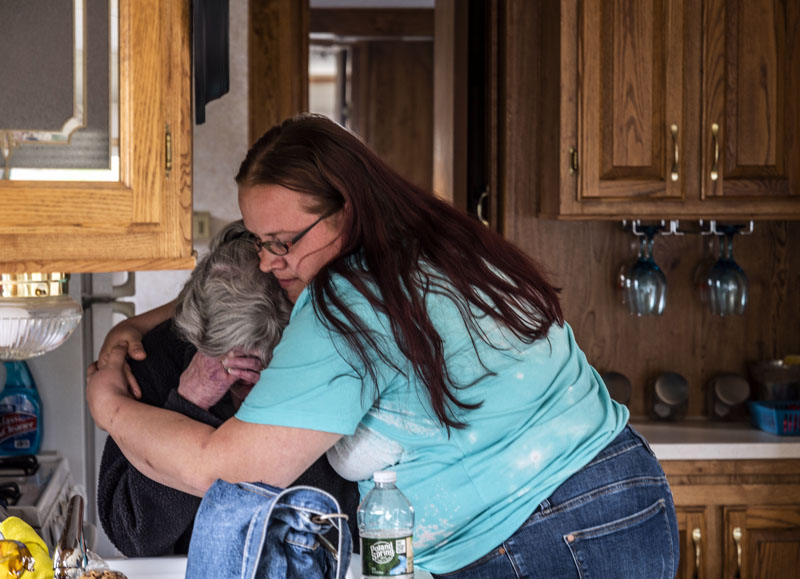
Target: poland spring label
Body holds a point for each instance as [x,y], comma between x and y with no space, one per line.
[386,557]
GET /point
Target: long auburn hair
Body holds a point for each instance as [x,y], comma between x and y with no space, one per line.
[408,243]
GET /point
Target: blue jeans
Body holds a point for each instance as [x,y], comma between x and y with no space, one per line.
[613,519]
[256,531]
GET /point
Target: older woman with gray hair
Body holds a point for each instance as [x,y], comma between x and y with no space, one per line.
[233,313]
[229,316]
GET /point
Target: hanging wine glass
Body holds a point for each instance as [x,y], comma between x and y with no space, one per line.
[703,267]
[726,282]
[645,283]
[620,281]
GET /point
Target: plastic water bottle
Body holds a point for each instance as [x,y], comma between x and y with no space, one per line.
[386,527]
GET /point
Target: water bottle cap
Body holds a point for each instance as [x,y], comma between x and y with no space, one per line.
[385,476]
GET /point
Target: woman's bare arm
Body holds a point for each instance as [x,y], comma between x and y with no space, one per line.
[188,455]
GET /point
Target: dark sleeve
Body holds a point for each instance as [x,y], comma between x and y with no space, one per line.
[142,517]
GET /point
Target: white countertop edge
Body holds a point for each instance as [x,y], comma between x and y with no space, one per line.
[733,451]
[706,440]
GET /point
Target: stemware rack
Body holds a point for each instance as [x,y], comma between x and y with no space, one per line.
[674,227]
[724,287]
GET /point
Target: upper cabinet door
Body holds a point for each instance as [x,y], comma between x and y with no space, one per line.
[751,83]
[654,109]
[140,216]
[630,116]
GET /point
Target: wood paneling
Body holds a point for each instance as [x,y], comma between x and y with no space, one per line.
[277,62]
[392,92]
[450,102]
[371,23]
[584,258]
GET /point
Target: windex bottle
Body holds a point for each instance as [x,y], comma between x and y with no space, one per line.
[386,527]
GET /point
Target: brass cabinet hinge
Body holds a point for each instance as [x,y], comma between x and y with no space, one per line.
[573,160]
[167,150]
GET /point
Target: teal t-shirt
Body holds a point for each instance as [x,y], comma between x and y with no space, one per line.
[545,414]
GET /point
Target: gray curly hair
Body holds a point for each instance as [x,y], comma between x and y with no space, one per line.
[229,303]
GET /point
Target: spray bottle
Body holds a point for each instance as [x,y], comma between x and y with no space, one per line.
[20,411]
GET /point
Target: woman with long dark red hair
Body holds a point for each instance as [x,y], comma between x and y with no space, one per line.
[423,342]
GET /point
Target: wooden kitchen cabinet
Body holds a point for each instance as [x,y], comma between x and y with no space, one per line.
[760,498]
[763,542]
[142,221]
[659,108]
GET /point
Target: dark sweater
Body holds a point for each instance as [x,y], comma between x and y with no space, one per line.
[144,518]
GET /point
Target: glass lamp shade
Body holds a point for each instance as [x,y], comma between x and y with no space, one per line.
[36,314]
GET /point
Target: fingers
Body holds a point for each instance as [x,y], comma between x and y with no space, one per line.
[133,385]
[242,367]
[115,357]
[249,376]
[133,349]
[136,351]
[122,334]
[242,361]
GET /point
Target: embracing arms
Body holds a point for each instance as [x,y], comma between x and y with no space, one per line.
[187,455]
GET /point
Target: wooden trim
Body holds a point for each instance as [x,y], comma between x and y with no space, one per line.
[495,111]
[729,494]
[368,22]
[100,265]
[704,468]
[277,62]
[449,102]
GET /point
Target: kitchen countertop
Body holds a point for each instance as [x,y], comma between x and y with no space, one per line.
[707,440]
[175,568]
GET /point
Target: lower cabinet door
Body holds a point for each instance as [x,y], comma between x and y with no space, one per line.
[694,539]
[762,542]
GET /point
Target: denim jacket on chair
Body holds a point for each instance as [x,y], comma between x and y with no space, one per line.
[257,531]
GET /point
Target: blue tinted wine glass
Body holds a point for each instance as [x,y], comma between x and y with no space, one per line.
[645,283]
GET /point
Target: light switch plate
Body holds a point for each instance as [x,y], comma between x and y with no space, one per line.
[201,225]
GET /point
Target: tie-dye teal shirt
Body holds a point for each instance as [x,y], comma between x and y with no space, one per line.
[545,413]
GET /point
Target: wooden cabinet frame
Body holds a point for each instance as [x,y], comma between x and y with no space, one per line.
[144,220]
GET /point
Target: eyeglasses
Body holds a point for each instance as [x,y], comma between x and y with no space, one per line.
[277,247]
